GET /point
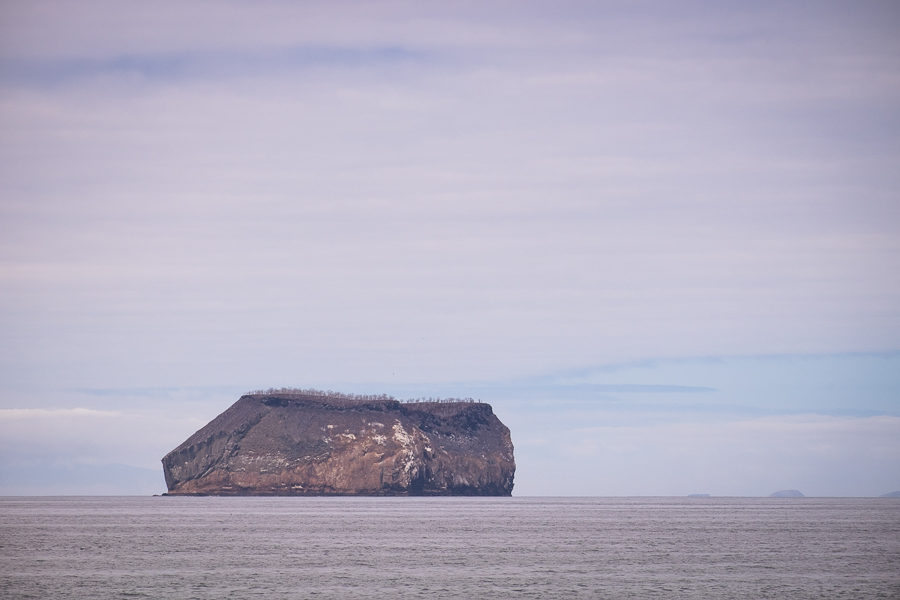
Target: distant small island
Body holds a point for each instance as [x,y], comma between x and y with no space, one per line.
[891,495]
[292,442]
[787,494]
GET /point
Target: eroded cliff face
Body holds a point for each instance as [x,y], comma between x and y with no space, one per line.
[300,444]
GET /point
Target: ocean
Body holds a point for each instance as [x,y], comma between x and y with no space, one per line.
[210,547]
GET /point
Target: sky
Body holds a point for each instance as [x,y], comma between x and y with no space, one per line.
[661,239]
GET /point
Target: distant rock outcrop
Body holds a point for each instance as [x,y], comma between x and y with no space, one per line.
[891,495]
[306,443]
[787,494]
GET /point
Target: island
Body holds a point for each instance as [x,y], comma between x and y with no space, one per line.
[313,443]
[787,494]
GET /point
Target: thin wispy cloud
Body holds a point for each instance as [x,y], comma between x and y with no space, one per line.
[203,66]
[55,413]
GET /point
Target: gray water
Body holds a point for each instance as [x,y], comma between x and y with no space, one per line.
[171,547]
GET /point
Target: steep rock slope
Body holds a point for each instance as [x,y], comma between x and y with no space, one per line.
[313,444]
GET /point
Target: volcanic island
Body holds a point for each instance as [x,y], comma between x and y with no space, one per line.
[312,443]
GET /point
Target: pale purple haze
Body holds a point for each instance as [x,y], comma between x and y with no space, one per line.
[661,239]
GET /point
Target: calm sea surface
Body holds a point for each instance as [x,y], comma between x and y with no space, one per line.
[168,547]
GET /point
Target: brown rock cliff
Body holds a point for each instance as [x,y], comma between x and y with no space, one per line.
[315,444]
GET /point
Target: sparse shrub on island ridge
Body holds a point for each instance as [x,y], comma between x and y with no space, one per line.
[339,398]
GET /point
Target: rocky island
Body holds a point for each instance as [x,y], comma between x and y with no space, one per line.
[787,494]
[310,443]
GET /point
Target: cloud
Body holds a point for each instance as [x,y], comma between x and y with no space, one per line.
[55,413]
[790,428]
[149,69]
[851,383]
[138,437]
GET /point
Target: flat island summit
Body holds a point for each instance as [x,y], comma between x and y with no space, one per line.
[312,443]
